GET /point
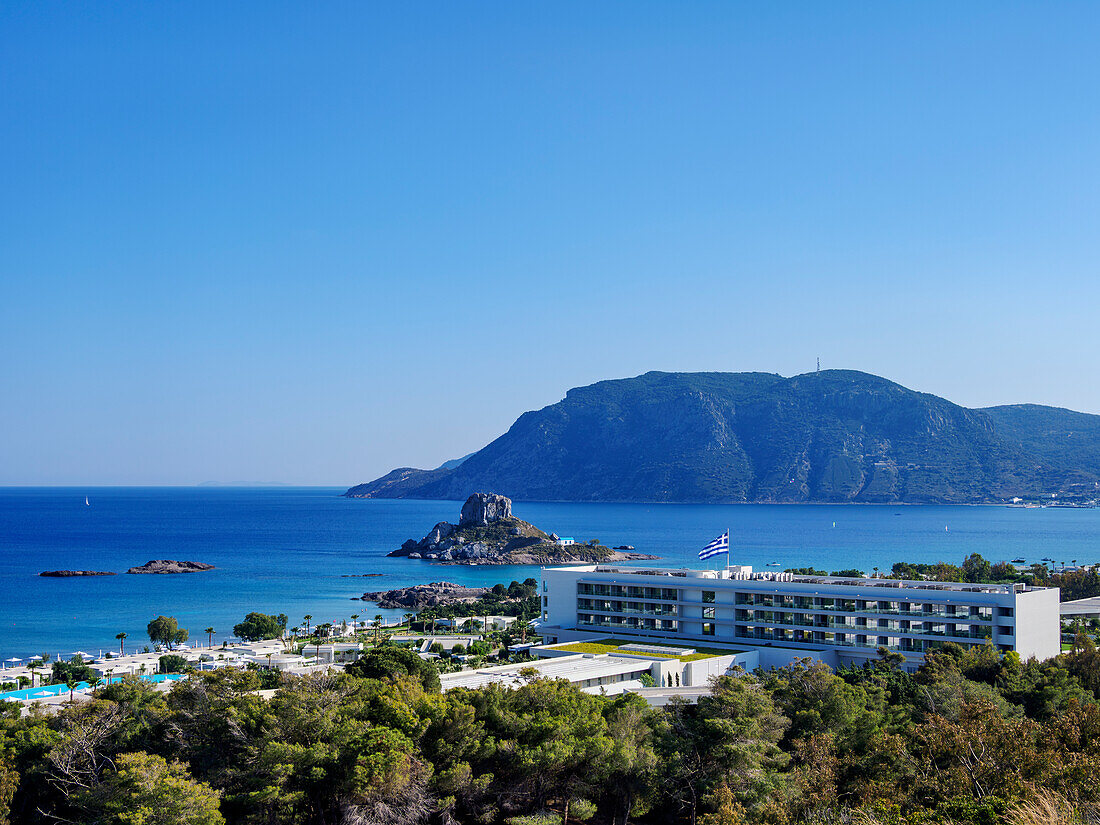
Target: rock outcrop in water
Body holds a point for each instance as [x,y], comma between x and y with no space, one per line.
[164,566]
[420,596]
[68,574]
[488,533]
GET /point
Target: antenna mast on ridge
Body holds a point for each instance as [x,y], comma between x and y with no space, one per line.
[819,364]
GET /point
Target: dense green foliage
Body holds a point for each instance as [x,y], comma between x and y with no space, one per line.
[836,435]
[257,626]
[74,670]
[165,630]
[517,599]
[967,739]
[171,663]
[391,661]
[1077,583]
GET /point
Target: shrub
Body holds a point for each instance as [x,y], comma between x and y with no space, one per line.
[171,663]
[392,661]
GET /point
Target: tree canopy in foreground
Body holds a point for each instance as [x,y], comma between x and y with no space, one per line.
[973,737]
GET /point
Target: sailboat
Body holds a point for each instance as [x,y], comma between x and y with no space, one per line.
[86,502]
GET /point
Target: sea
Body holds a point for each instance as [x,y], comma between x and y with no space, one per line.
[304,551]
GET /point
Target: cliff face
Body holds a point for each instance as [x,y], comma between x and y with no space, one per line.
[833,436]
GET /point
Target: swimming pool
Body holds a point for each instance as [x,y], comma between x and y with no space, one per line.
[48,691]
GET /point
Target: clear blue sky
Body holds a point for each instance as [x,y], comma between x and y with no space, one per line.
[311,242]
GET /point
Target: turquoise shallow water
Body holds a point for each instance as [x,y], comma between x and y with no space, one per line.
[288,550]
[42,691]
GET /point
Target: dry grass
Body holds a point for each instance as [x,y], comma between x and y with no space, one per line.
[1046,808]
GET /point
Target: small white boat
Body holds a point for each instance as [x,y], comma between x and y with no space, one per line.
[86,502]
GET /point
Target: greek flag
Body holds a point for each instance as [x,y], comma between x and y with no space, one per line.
[716,547]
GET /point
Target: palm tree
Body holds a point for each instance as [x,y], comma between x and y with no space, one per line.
[306,619]
[209,636]
[71,684]
[354,621]
[32,666]
[121,642]
[317,638]
[295,630]
[377,628]
[409,620]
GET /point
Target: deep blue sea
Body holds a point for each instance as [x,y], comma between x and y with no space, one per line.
[289,550]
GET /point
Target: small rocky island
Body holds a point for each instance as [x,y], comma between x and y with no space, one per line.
[68,574]
[420,596]
[164,566]
[488,533]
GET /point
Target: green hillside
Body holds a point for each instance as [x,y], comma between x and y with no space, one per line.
[831,436]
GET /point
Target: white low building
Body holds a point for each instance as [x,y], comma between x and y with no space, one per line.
[482,622]
[595,674]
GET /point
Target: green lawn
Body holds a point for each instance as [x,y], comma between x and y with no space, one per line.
[613,645]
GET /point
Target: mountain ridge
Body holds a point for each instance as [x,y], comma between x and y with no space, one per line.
[710,437]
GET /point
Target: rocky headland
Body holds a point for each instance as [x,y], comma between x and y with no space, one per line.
[488,533]
[831,436]
[164,566]
[420,596]
[68,574]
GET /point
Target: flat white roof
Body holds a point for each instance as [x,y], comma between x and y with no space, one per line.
[1080,607]
[699,578]
[577,668]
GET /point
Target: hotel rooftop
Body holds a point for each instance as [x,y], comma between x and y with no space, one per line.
[842,620]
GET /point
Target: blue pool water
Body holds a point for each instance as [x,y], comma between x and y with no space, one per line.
[57,690]
[289,550]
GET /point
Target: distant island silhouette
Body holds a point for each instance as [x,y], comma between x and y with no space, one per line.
[831,437]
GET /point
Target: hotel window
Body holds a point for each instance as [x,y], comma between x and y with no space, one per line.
[708,612]
[708,597]
[708,628]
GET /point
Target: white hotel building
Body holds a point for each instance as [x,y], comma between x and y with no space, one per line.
[785,616]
